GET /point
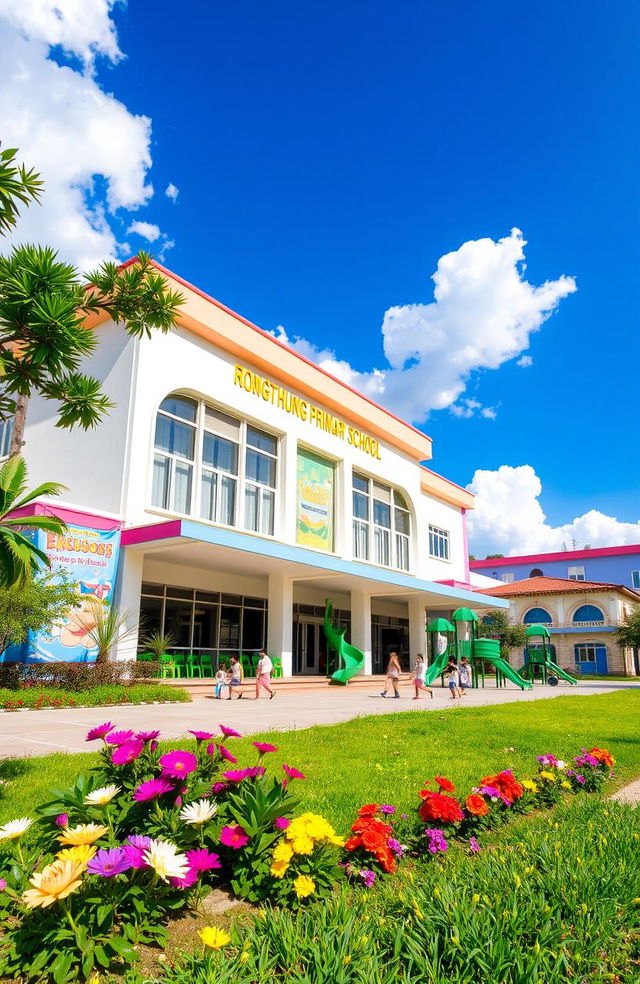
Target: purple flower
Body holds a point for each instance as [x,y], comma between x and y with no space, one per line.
[237,775]
[211,748]
[226,754]
[489,791]
[229,732]
[263,747]
[151,789]
[235,836]
[203,860]
[218,787]
[135,856]
[3,884]
[437,841]
[62,820]
[474,847]
[108,863]
[147,736]
[119,737]
[281,823]
[368,877]
[547,760]
[139,840]
[187,881]
[580,779]
[586,759]
[293,773]
[178,764]
[201,735]
[404,816]
[124,754]
[100,731]
[396,847]
[385,808]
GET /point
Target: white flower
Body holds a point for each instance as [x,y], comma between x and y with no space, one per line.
[14,828]
[560,765]
[102,796]
[163,857]
[198,812]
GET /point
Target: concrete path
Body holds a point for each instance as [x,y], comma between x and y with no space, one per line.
[27,733]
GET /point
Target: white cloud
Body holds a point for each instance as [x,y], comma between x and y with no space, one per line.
[147,230]
[171,191]
[524,361]
[483,314]
[508,518]
[92,152]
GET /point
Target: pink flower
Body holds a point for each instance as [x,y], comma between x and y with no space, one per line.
[226,754]
[235,836]
[100,731]
[201,735]
[189,879]
[263,747]
[151,789]
[218,787]
[62,820]
[229,732]
[293,773]
[135,856]
[178,764]
[474,847]
[211,748]
[236,775]
[203,860]
[147,736]
[281,823]
[118,737]
[127,752]
[3,884]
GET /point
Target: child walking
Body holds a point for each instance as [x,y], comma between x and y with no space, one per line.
[393,675]
[465,675]
[221,679]
[453,680]
[418,677]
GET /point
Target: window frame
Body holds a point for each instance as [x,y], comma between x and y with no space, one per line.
[6,433]
[375,535]
[198,466]
[635,580]
[576,573]
[438,533]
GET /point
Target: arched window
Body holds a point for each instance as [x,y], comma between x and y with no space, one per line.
[588,613]
[381,524]
[536,572]
[209,464]
[537,616]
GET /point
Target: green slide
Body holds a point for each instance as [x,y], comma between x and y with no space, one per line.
[438,667]
[352,658]
[489,650]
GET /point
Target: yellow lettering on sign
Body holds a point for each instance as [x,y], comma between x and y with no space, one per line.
[275,394]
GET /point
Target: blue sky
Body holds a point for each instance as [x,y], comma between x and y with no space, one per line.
[327,156]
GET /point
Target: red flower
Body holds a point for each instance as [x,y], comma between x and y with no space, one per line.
[368,810]
[386,859]
[441,807]
[476,805]
[602,755]
[353,843]
[506,784]
[445,784]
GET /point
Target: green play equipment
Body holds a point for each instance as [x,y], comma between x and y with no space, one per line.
[440,634]
[352,658]
[488,650]
[481,651]
[539,658]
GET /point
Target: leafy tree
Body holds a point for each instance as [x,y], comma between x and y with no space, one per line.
[19,557]
[33,606]
[472,557]
[511,635]
[493,556]
[629,632]
[17,187]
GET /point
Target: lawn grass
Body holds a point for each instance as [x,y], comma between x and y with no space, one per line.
[387,758]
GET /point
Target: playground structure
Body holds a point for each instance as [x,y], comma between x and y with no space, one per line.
[352,658]
[538,658]
[458,640]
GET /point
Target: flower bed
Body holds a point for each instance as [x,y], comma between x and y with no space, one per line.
[37,698]
[145,834]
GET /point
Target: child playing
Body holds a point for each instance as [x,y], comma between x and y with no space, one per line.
[453,680]
[418,677]
[393,675]
[221,679]
[465,675]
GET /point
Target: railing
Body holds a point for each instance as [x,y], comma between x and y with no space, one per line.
[602,623]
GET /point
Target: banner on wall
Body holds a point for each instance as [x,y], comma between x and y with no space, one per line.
[314,516]
[90,558]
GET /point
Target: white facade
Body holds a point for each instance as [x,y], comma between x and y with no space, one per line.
[258,385]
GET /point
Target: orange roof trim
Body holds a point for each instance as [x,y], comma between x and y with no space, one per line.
[555,585]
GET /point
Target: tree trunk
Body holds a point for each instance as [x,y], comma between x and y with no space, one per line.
[19,421]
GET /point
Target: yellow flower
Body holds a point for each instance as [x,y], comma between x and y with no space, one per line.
[335,840]
[304,886]
[565,784]
[82,853]
[84,833]
[302,845]
[244,956]
[347,959]
[530,785]
[475,898]
[548,775]
[278,868]
[54,882]
[213,937]
[283,852]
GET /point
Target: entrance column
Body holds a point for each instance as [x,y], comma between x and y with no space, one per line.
[361,626]
[127,597]
[280,628]
[417,626]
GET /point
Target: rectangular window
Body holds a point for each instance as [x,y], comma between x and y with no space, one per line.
[361,516]
[635,580]
[576,573]
[381,524]
[508,577]
[585,653]
[260,481]
[315,481]
[438,543]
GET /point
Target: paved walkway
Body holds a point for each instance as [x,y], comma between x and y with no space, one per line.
[27,733]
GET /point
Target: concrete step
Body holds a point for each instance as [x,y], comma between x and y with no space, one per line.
[201,688]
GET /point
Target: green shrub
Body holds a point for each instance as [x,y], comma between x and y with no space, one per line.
[38,697]
[75,676]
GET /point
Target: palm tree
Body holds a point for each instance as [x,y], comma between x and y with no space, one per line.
[109,627]
[19,557]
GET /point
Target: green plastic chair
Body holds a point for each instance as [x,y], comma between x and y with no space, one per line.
[277,667]
[180,663]
[194,666]
[255,659]
[247,667]
[167,667]
[206,664]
